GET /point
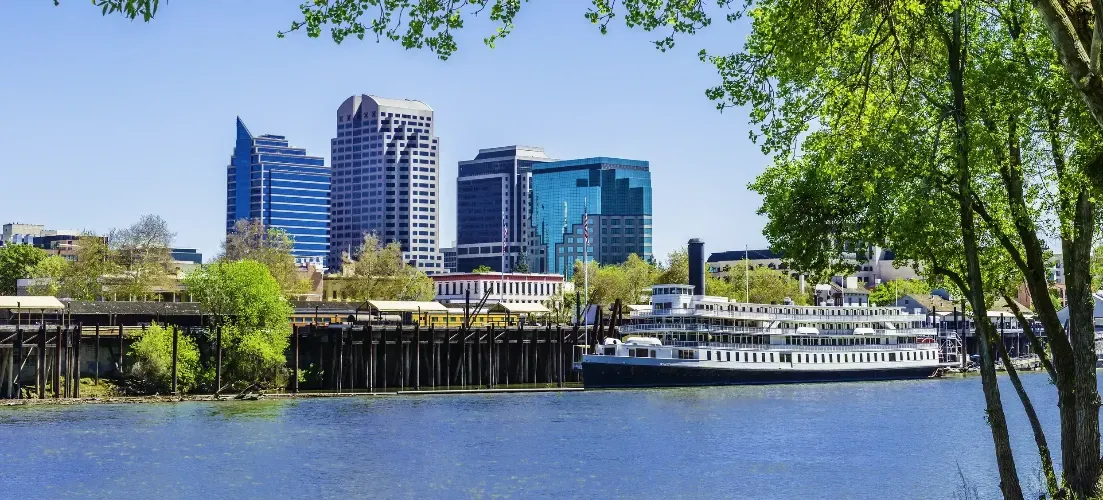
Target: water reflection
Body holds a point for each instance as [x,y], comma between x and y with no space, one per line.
[873,440]
[269,409]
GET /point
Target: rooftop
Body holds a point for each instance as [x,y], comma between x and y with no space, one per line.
[732,255]
[929,302]
[594,161]
[400,103]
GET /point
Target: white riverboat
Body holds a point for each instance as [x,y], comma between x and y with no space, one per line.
[686,339]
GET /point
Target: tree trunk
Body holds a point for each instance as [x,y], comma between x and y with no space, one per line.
[1009,478]
[1082,478]
[1052,487]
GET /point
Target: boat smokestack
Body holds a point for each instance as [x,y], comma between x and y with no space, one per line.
[697,266]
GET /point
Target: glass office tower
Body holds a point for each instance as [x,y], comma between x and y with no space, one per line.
[283,188]
[492,205]
[616,195]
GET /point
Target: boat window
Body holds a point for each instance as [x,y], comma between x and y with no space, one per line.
[771,357]
[653,353]
[709,354]
[729,356]
[610,351]
[892,356]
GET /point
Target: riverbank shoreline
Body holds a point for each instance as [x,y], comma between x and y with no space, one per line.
[157,398]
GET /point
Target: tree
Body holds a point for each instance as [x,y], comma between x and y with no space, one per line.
[887,293]
[521,266]
[49,275]
[562,307]
[676,269]
[379,273]
[152,354]
[142,253]
[953,150]
[250,239]
[639,276]
[248,306]
[16,262]
[83,279]
[765,286]
[482,269]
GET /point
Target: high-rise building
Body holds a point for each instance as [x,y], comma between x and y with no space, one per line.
[615,196]
[283,188]
[492,206]
[449,255]
[385,179]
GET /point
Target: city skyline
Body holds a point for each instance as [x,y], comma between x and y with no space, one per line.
[594,95]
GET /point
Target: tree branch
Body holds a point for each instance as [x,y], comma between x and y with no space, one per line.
[1035,342]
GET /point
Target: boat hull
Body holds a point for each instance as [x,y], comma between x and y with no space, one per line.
[597,375]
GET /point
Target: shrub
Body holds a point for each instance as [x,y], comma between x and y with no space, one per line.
[152,355]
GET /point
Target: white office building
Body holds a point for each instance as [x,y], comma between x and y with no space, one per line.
[386,173]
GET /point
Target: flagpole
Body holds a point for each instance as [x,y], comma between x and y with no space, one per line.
[552,251]
[505,238]
[586,249]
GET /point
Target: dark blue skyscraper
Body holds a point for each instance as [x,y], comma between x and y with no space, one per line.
[283,188]
[492,205]
[616,193]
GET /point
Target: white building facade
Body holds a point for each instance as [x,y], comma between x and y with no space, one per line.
[386,174]
[530,288]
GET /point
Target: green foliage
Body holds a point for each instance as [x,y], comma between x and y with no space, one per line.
[250,309]
[521,266]
[562,307]
[130,263]
[766,286]
[887,293]
[49,274]
[676,269]
[483,269]
[83,278]
[626,281]
[251,240]
[152,355]
[16,262]
[379,273]
[130,9]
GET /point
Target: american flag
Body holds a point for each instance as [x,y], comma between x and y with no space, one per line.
[586,229]
[505,230]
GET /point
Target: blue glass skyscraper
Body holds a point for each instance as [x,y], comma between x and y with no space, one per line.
[283,188]
[616,193]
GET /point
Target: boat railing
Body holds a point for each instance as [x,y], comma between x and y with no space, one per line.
[743,330]
[771,316]
[797,348]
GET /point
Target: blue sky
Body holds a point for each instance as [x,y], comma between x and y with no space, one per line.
[103,119]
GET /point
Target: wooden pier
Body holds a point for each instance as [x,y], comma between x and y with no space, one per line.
[395,358]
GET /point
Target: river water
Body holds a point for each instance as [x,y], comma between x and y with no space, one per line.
[913,439]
